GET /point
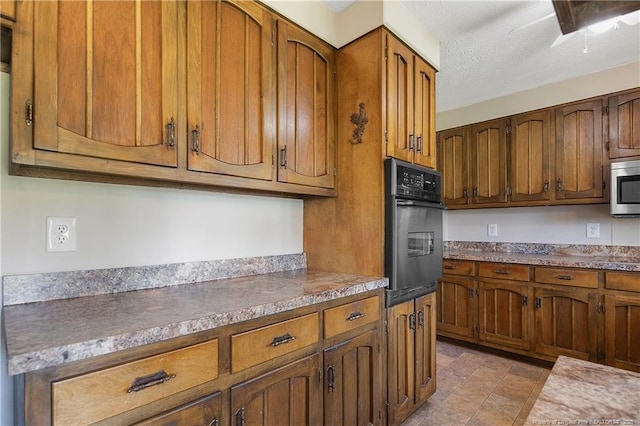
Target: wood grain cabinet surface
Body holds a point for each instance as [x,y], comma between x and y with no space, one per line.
[172,93]
[552,156]
[543,311]
[410,356]
[268,370]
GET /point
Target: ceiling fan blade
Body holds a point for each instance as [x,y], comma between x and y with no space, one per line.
[561,39]
[537,21]
[631,19]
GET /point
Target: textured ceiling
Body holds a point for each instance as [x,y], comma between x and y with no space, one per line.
[494,48]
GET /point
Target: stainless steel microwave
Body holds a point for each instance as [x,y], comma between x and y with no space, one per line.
[625,189]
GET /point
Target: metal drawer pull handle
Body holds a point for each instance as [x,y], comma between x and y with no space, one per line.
[153,379]
[501,272]
[450,267]
[564,277]
[356,315]
[279,340]
[170,129]
[331,378]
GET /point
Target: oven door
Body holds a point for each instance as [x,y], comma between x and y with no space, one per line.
[413,250]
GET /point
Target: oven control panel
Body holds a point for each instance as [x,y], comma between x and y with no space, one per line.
[414,182]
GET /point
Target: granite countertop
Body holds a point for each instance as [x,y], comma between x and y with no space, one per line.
[54,332]
[584,393]
[572,256]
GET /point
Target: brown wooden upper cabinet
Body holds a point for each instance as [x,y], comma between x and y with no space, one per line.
[530,167]
[488,156]
[410,85]
[579,149]
[231,90]
[306,108]
[624,125]
[106,82]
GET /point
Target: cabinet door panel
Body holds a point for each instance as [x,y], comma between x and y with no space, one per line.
[503,314]
[456,301]
[579,151]
[624,125]
[530,162]
[622,334]
[489,162]
[400,364]
[453,165]
[425,347]
[352,376]
[425,123]
[306,105]
[565,323]
[400,96]
[102,89]
[287,396]
[230,87]
[204,411]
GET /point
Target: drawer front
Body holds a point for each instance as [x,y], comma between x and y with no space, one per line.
[351,315]
[569,277]
[260,345]
[106,393]
[458,267]
[627,281]
[504,271]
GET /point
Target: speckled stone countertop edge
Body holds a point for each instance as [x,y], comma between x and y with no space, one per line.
[59,355]
[29,288]
[613,258]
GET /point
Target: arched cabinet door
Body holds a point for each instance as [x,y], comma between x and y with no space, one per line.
[106,81]
[306,108]
[230,88]
[624,125]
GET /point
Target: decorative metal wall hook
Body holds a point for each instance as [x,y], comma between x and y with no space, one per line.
[360,120]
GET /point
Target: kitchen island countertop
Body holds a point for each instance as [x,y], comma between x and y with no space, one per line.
[55,332]
[584,393]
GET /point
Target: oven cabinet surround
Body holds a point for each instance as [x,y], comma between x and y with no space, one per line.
[553,156]
[219,376]
[346,233]
[544,312]
[410,356]
[103,104]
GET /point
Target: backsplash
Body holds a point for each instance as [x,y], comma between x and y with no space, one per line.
[29,288]
[546,249]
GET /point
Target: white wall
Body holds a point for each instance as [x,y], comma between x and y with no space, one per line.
[129,226]
[553,225]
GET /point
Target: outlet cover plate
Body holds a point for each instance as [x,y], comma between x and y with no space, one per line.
[593,230]
[61,234]
[492,229]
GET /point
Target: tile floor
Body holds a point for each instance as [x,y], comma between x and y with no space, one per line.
[478,388]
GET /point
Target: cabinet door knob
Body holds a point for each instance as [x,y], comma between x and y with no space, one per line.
[412,141]
[331,378]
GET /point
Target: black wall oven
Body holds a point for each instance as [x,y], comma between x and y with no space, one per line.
[413,230]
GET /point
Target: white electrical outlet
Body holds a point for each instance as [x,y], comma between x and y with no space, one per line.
[61,234]
[492,229]
[593,230]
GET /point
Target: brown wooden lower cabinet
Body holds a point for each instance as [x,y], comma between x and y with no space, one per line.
[578,312]
[411,356]
[290,395]
[456,305]
[622,331]
[352,379]
[503,313]
[205,411]
[566,323]
[331,374]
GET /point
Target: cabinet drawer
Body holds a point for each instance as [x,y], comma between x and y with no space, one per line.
[458,267]
[504,271]
[570,277]
[260,345]
[351,315]
[106,393]
[628,281]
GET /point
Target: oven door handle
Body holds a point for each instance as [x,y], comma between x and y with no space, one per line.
[420,204]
